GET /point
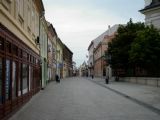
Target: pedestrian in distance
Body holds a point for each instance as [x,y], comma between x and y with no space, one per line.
[92,76]
[57,78]
[107,79]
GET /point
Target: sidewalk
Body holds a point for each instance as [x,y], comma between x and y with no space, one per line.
[146,94]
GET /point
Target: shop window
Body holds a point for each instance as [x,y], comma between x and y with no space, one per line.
[30,77]
[1,43]
[15,50]
[8,47]
[1,80]
[27,57]
[20,53]
[20,80]
[25,78]
[30,58]
[14,80]
[7,79]
[24,55]
[36,61]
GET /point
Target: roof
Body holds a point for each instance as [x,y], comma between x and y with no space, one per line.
[68,49]
[40,6]
[60,42]
[51,28]
[151,6]
[109,32]
[90,45]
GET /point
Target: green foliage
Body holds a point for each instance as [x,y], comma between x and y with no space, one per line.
[145,49]
[135,45]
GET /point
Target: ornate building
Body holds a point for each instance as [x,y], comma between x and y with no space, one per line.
[101,44]
[67,62]
[91,59]
[152,12]
[52,38]
[19,52]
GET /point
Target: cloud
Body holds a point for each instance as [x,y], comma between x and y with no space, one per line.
[77,22]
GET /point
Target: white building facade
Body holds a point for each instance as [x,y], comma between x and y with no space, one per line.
[152,12]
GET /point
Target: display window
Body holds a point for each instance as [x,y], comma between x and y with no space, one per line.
[25,78]
[1,69]
[7,79]
[1,44]
[8,47]
[14,80]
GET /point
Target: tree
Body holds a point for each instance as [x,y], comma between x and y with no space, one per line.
[145,50]
[135,45]
[121,44]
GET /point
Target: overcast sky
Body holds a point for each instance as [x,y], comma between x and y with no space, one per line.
[78,22]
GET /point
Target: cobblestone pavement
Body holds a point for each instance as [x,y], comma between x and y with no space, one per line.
[145,93]
[81,99]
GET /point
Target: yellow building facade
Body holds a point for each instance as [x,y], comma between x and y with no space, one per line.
[19,52]
[22,18]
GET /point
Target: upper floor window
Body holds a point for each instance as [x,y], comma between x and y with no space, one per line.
[20,11]
[29,18]
[33,20]
[20,7]
[7,4]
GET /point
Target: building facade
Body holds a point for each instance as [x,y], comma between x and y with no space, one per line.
[19,52]
[83,70]
[67,62]
[59,58]
[52,36]
[101,45]
[91,59]
[152,12]
[44,51]
[75,70]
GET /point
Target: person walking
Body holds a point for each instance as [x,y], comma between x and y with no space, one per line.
[57,78]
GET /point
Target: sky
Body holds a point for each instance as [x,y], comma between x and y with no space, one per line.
[78,22]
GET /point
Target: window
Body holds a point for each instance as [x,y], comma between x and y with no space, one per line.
[24,55]
[28,57]
[29,17]
[20,7]
[1,43]
[20,80]
[1,80]
[33,20]
[8,47]
[30,77]
[7,80]
[14,80]
[25,78]
[15,50]
[20,53]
